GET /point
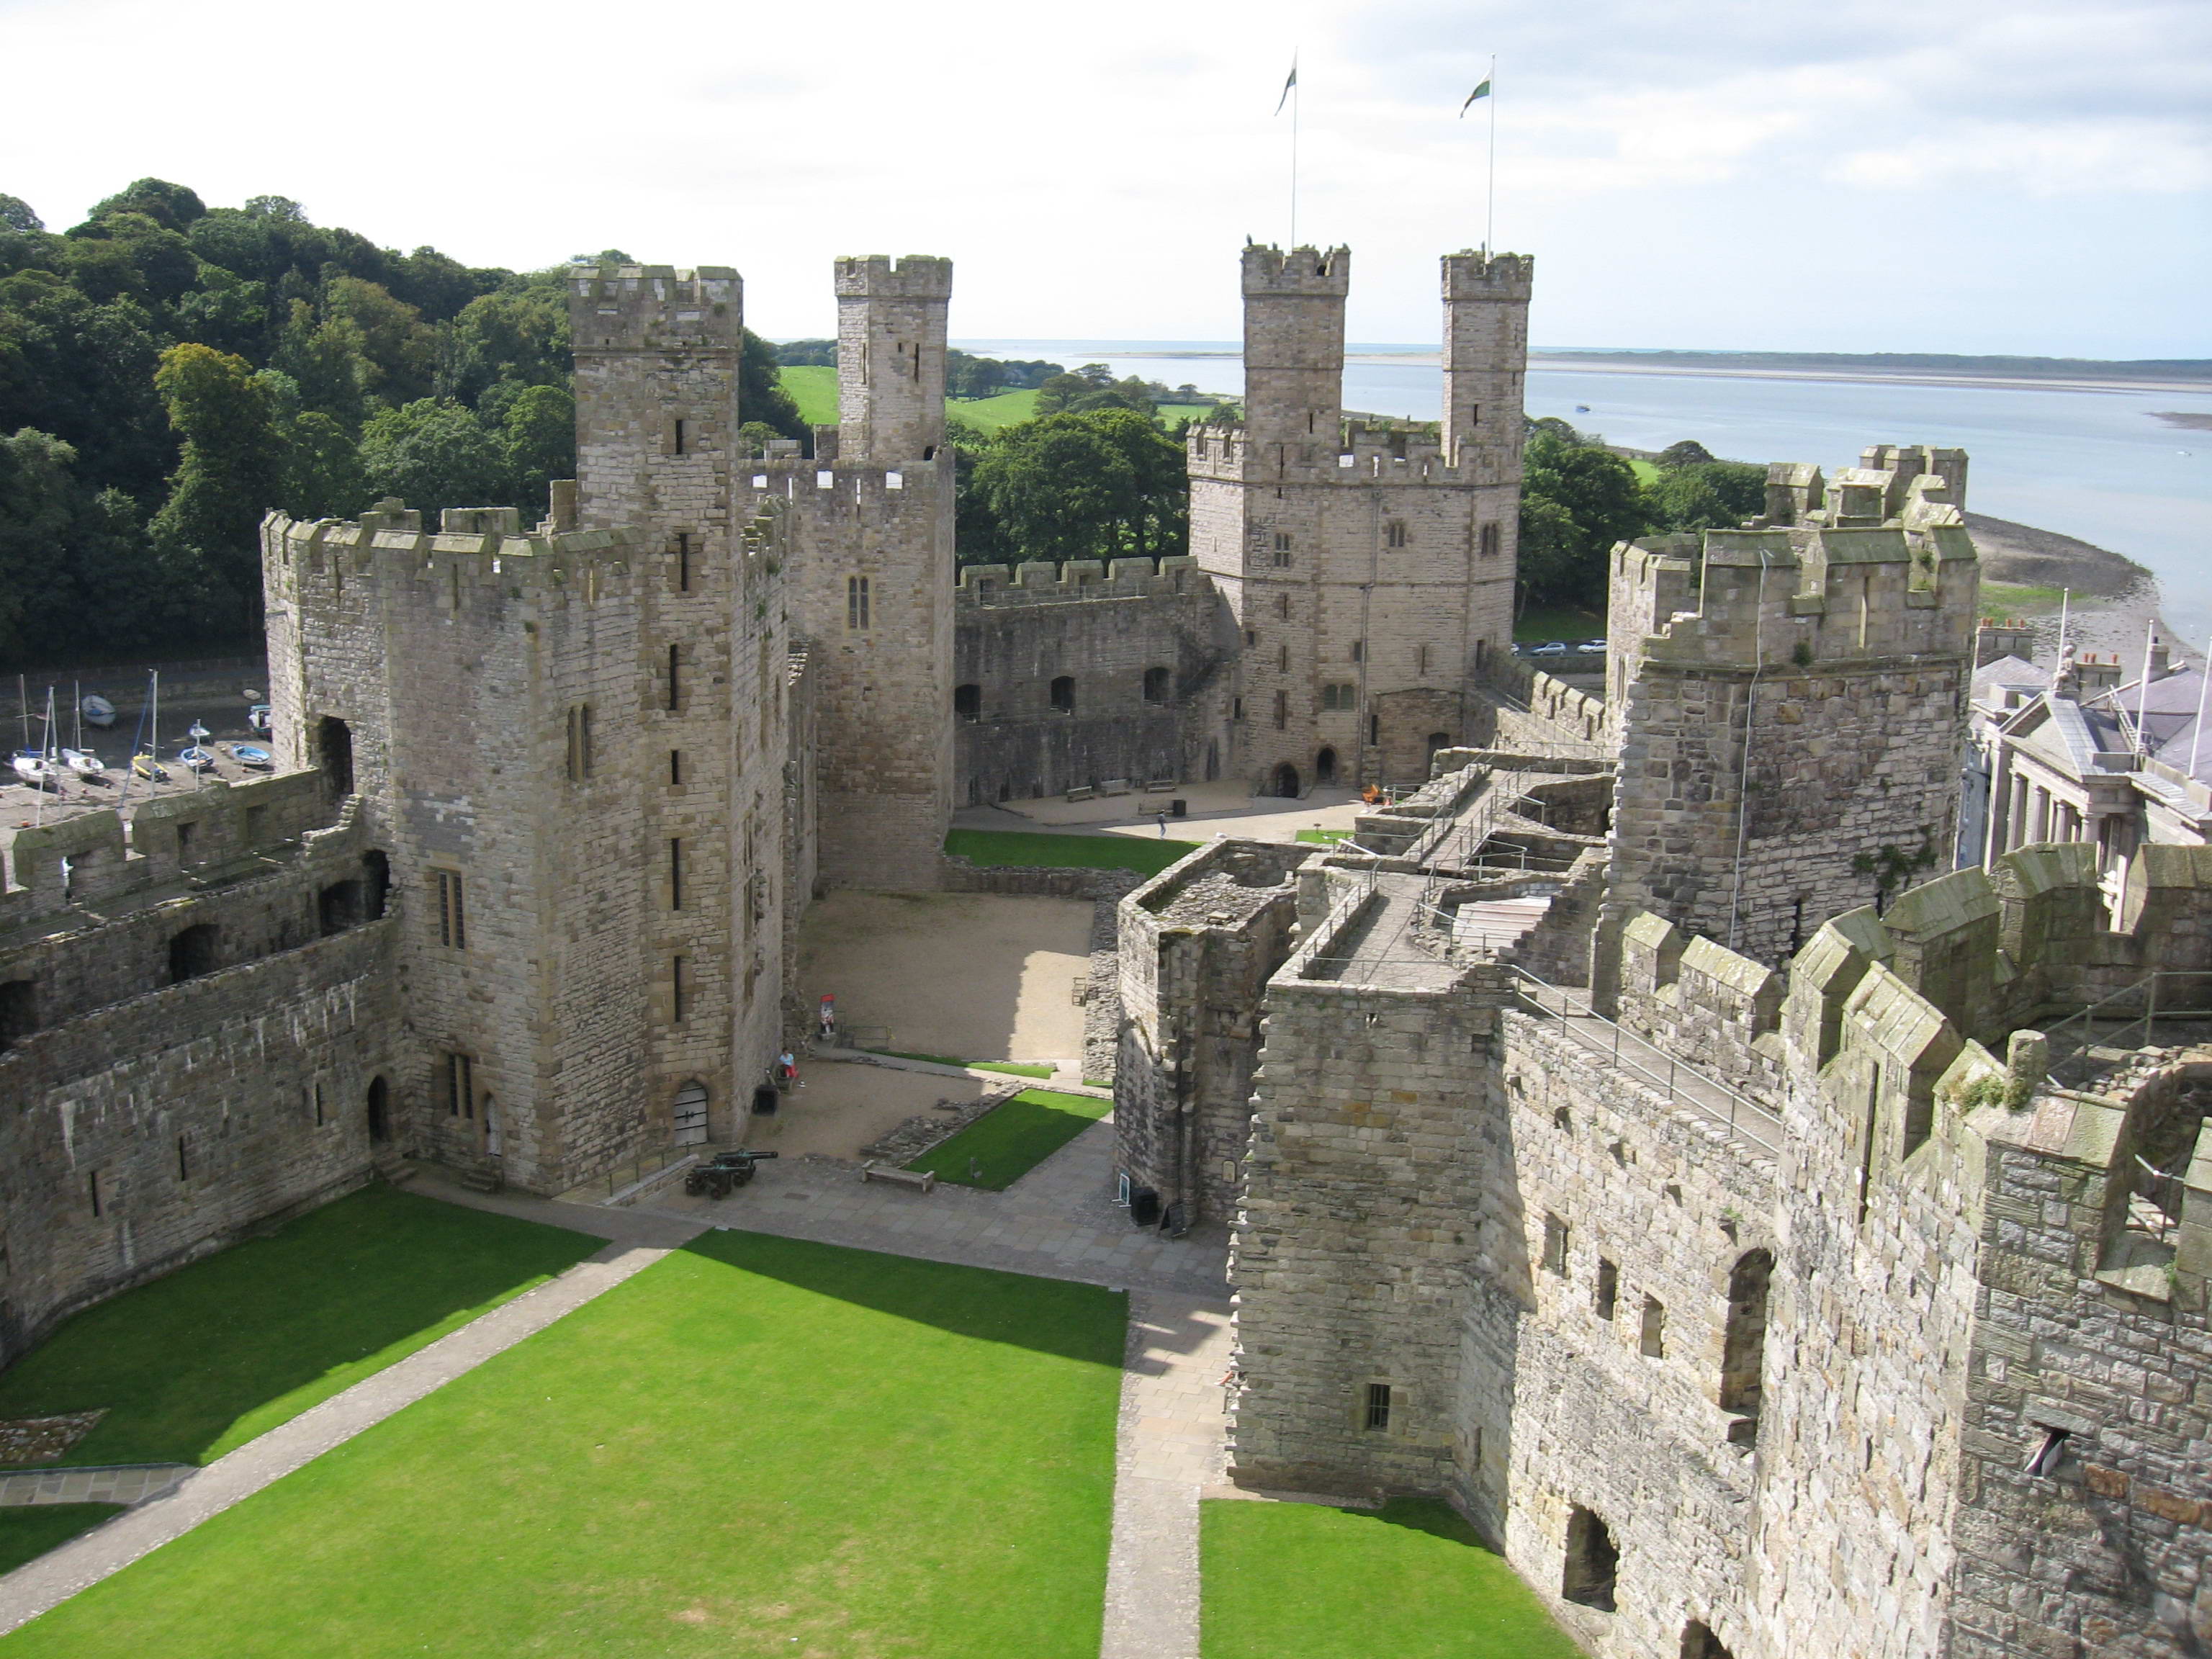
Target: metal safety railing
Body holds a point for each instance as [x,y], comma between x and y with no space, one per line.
[1681,1084]
[2135,1013]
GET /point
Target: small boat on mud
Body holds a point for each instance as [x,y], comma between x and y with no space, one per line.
[85,764]
[195,759]
[96,710]
[31,767]
[251,756]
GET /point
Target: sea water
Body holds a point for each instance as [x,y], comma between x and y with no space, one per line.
[2093,465]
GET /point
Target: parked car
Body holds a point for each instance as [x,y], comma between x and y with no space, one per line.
[1549,648]
[1592,645]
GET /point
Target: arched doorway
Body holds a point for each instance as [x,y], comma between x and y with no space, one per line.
[1286,781]
[1439,740]
[1212,759]
[379,1111]
[334,755]
[1325,768]
[690,1114]
[493,1146]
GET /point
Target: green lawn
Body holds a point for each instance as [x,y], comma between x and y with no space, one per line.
[27,1531]
[986,848]
[1013,1067]
[1410,1581]
[1535,627]
[757,1446]
[995,414]
[1998,597]
[1013,1138]
[1325,837]
[813,388]
[204,1359]
[1646,471]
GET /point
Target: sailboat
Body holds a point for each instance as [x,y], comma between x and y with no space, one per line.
[142,764]
[38,767]
[81,760]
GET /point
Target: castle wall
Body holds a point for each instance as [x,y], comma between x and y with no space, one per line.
[1106,632]
[1197,945]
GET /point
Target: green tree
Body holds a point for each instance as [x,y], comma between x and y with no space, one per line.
[400,349]
[206,534]
[1088,484]
[1686,453]
[433,454]
[323,474]
[1596,492]
[761,396]
[539,437]
[171,206]
[327,361]
[16,214]
[1707,495]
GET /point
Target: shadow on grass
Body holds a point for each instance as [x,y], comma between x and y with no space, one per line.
[201,1360]
[27,1531]
[987,847]
[1084,1322]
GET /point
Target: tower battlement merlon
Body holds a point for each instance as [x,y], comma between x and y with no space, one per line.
[1469,275]
[1320,271]
[656,308]
[877,277]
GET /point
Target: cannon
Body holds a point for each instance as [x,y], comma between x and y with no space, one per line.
[723,1173]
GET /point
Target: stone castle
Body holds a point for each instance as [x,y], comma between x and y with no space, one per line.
[1771,1254]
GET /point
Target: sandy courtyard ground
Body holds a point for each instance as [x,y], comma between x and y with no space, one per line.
[845,1106]
[1215,809]
[967,975]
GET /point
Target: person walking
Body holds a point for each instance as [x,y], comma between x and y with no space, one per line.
[1163,826]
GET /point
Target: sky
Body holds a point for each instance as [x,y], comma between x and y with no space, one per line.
[2026,176]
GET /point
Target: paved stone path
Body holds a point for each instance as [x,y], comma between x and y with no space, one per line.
[638,1242]
[1059,1221]
[1169,1451]
[113,1483]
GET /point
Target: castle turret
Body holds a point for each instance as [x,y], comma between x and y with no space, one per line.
[890,358]
[1294,354]
[1486,361]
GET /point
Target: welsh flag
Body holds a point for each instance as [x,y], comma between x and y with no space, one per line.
[1482,91]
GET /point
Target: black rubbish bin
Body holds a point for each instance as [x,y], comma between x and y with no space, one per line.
[1145,1206]
[1178,808]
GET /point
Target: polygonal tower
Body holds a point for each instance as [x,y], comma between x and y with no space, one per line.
[1368,567]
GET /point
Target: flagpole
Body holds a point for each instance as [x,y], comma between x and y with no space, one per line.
[1490,193]
[1295,101]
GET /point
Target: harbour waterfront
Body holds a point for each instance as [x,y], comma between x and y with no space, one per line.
[2097,465]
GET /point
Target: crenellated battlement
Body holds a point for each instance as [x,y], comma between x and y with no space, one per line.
[983,586]
[1468,275]
[315,559]
[1302,271]
[877,277]
[656,308]
[1362,455]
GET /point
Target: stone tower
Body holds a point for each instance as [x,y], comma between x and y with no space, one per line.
[874,509]
[1789,701]
[658,352]
[1369,567]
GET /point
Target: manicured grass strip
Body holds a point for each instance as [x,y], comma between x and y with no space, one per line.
[1097,1083]
[1538,627]
[813,388]
[987,847]
[995,414]
[1013,1137]
[1411,1581]
[757,1446]
[1013,1067]
[203,1359]
[1325,837]
[2020,596]
[934,1060]
[27,1531]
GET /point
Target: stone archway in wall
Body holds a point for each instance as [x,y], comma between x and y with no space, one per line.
[379,1105]
[1286,781]
[1325,768]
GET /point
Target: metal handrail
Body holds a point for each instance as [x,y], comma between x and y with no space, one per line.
[1740,1106]
[2147,989]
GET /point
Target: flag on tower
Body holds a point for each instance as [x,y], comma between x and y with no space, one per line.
[1482,91]
[1292,82]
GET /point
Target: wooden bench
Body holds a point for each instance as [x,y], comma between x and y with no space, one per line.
[1084,793]
[1115,786]
[925,1179]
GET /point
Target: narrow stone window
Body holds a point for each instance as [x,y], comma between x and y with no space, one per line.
[580,743]
[968,702]
[456,1081]
[1652,1342]
[315,1093]
[1063,694]
[1283,606]
[193,952]
[1156,685]
[449,908]
[1491,541]
[680,437]
[675,678]
[675,873]
[856,605]
[183,1159]
[676,766]
[1743,1352]
[1378,1407]
[1282,711]
[1555,1245]
[92,1190]
[676,989]
[188,838]
[1359,651]
[1374,729]
[683,560]
[1607,1294]
[1421,660]
[2046,1455]
[1394,533]
[1593,1562]
[1282,659]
